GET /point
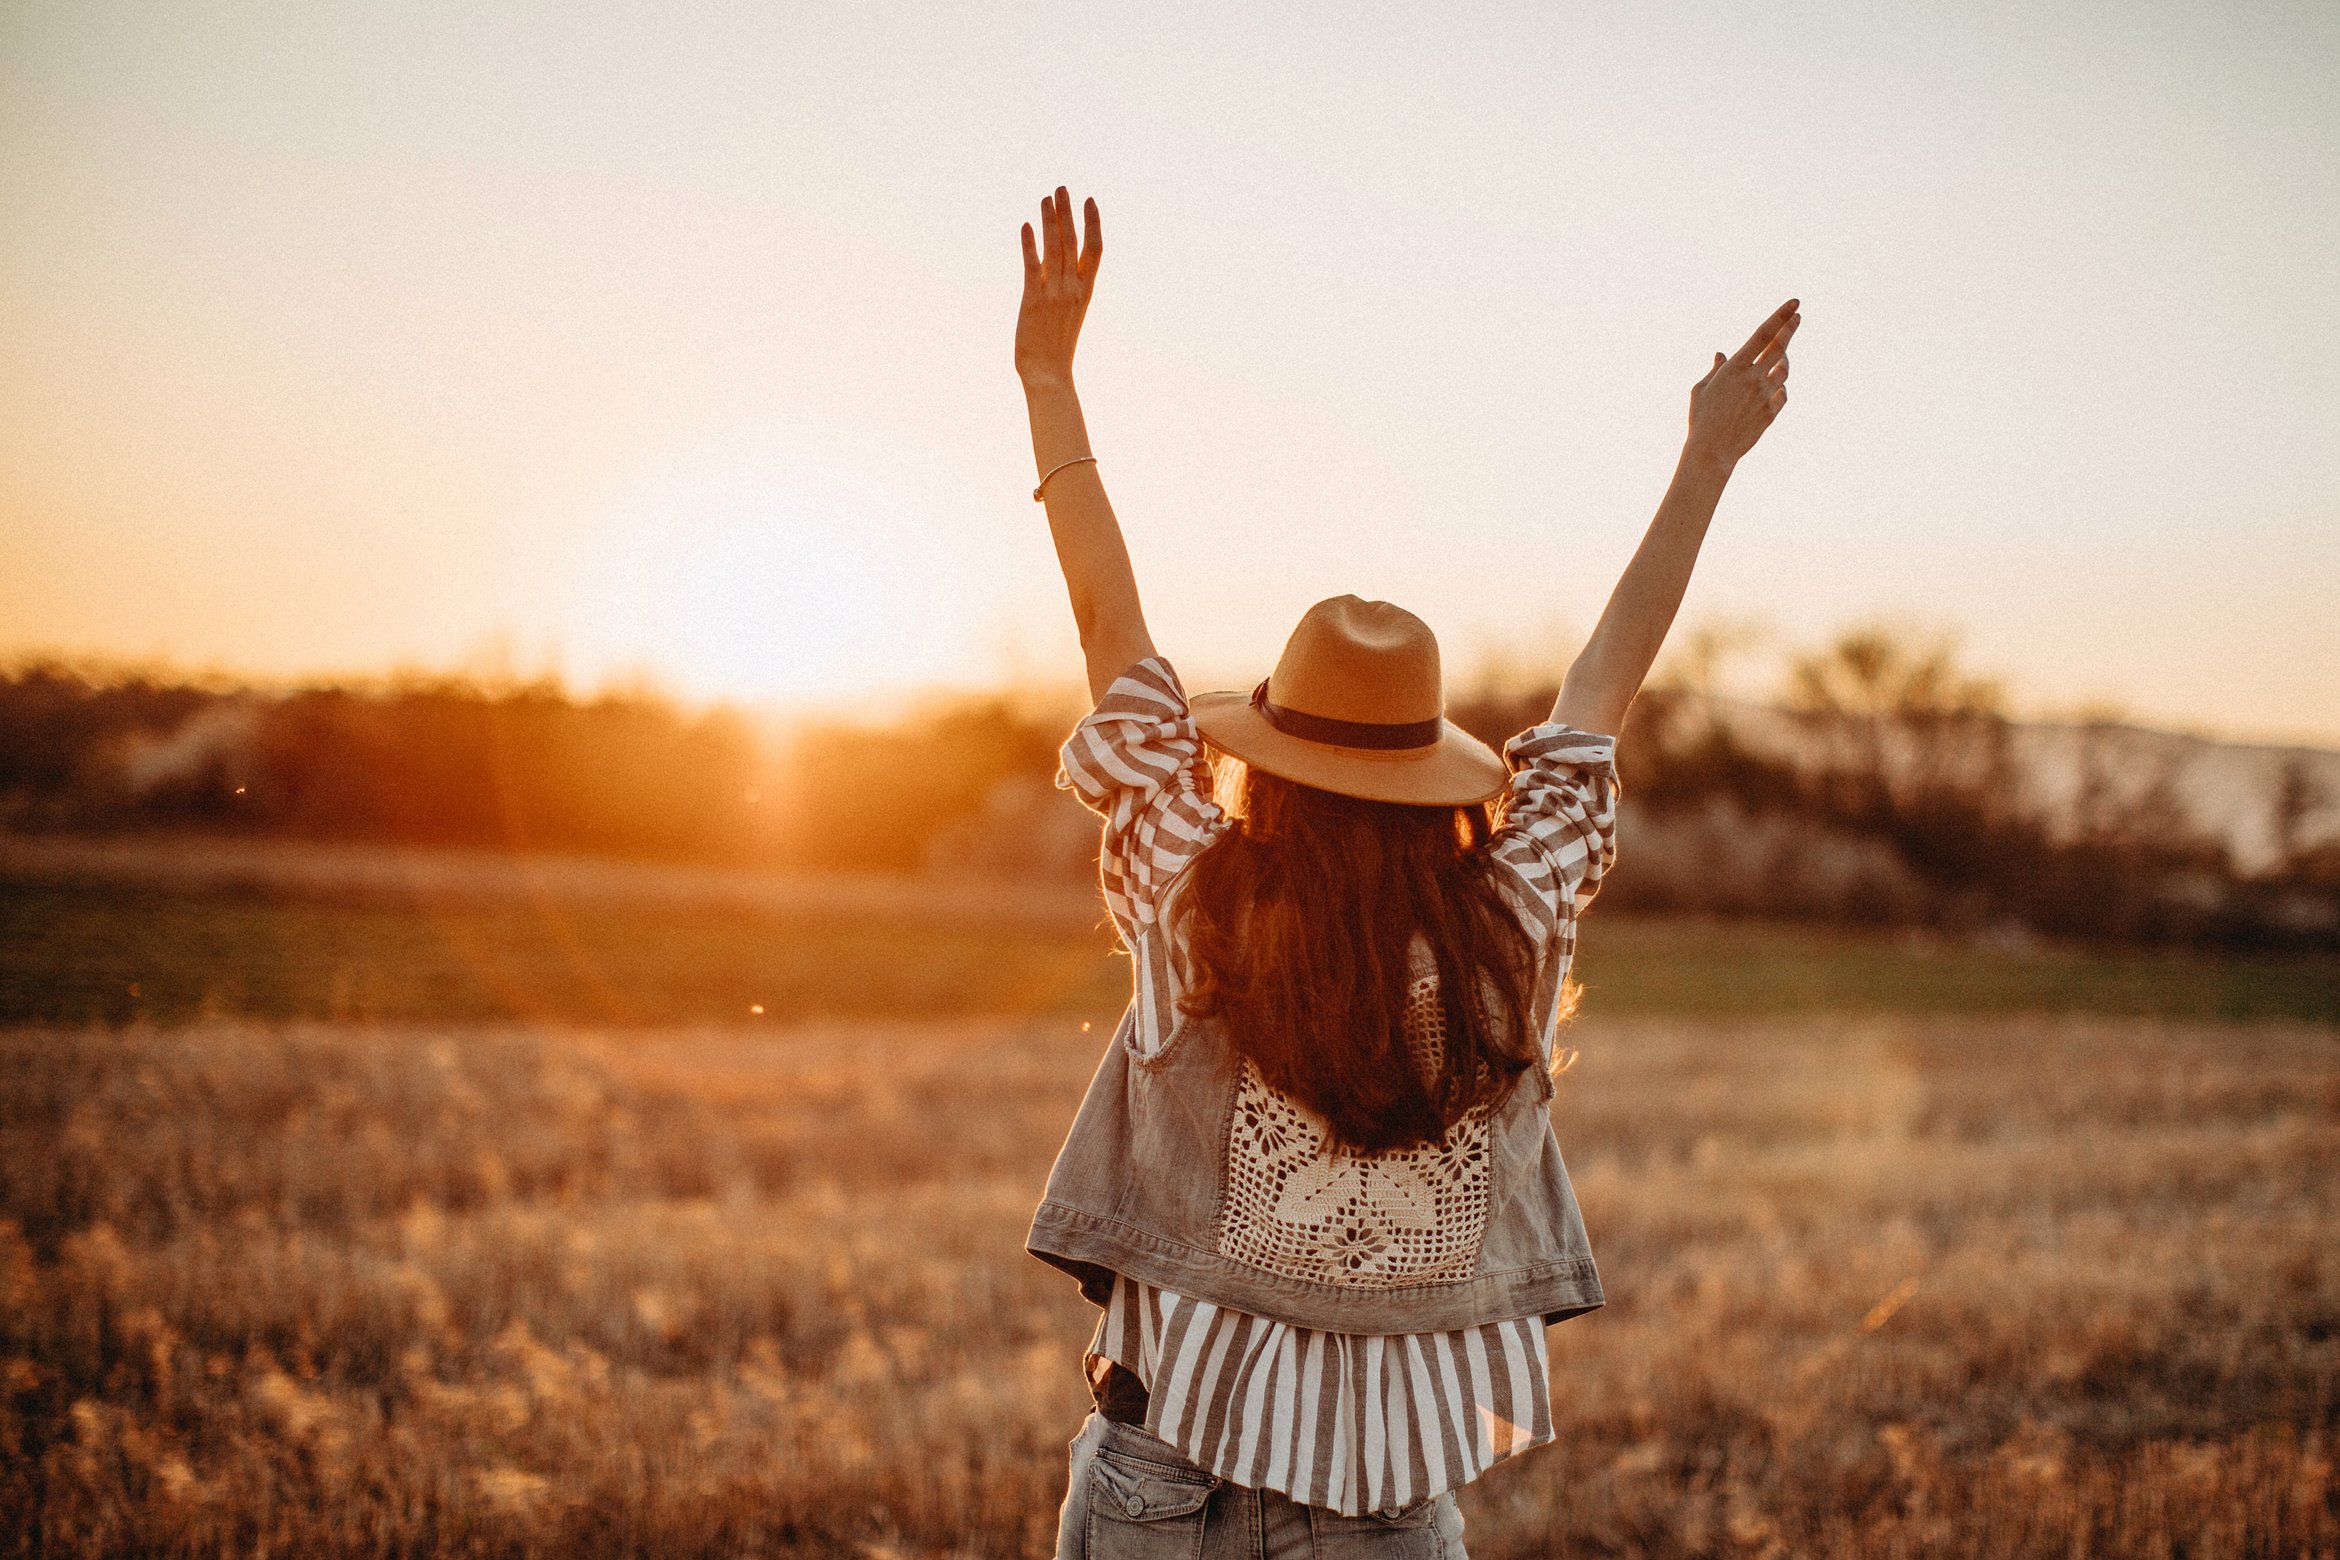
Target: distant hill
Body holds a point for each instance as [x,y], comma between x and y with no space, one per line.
[2233,792]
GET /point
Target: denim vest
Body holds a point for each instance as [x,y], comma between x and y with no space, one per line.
[1183,1170]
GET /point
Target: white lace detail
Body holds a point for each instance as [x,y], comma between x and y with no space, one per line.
[1361,1221]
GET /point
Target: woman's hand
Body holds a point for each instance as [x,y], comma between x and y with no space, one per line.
[1741,394]
[1729,409]
[1058,278]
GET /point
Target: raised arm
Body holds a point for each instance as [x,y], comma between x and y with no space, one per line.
[1729,409]
[1059,276]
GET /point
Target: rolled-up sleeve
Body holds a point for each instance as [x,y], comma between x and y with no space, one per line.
[1559,829]
[1138,761]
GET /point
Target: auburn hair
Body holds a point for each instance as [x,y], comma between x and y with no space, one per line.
[1297,925]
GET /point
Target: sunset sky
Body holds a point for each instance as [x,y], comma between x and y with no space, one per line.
[674,341]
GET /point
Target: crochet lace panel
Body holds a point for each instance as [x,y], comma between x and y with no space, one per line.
[1360,1221]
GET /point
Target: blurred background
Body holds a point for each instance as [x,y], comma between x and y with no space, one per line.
[530,682]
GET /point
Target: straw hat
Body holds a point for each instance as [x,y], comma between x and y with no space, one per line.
[1355,706]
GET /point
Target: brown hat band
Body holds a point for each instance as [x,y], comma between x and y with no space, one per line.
[1345,733]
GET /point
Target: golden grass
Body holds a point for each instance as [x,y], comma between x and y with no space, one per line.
[1880,1287]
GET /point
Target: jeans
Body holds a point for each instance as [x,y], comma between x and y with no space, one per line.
[1133,1497]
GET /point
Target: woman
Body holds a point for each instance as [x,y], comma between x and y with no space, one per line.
[1314,1185]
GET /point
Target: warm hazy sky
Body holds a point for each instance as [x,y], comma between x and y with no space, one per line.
[677,337]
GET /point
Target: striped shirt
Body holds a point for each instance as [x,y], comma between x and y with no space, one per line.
[1354,1422]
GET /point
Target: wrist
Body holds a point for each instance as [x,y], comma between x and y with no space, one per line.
[1707,460]
[1046,381]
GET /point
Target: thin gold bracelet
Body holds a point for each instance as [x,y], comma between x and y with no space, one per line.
[1053,470]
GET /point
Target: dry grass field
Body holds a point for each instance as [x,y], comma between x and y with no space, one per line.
[1881,1286]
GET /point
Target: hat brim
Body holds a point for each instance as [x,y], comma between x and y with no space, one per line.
[1455,771]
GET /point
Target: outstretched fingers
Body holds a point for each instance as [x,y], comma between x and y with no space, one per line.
[1774,352]
[1055,253]
[1783,318]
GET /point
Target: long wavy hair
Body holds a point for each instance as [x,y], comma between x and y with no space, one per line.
[1298,925]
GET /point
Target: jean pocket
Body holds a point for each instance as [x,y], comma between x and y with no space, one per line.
[1144,1511]
[1410,1534]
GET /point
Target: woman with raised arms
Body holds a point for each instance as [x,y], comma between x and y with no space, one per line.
[1314,1188]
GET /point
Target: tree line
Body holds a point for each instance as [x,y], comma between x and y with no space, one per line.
[1886,786]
